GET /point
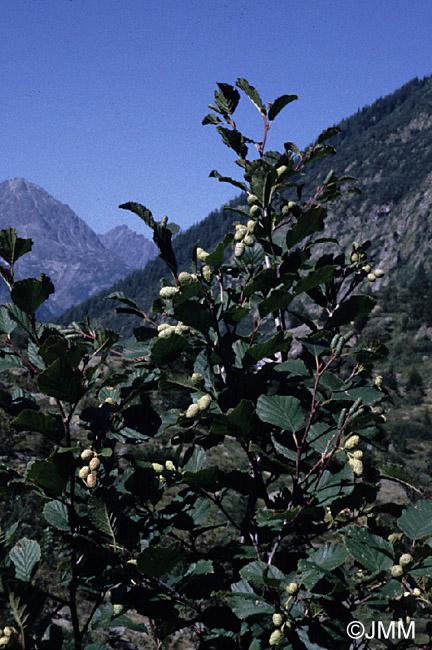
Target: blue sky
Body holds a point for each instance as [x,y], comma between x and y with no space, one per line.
[102,100]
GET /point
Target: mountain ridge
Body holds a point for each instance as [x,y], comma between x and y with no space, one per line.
[65,248]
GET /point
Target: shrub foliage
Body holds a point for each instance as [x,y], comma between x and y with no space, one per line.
[256,522]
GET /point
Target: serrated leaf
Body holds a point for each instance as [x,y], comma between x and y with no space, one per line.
[31,420]
[227,179]
[351,310]
[25,555]
[234,140]
[399,474]
[334,486]
[279,104]
[308,223]
[416,521]
[56,514]
[7,325]
[226,98]
[156,561]
[284,411]
[61,381]
[263,181]
[13,247]
[373,552]
[30,293]
[211,118]
[143,212]
[252,93]
[102,519]
[194,459]
[52,473]
[328,133]
[280,342]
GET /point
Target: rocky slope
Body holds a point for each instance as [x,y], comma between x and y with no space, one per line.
[79,262]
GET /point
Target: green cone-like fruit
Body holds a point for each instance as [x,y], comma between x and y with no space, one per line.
[91,480]
[405,559]
[252,199]
[396,570]
[248,240]
[352,442]
[281,170]
[207,273]
[378,273]
[94,464]
[185,277]
[292,588]
[197,379]
[86,455]
[356,465]
[371,277]
[170,466]
[274,637]
[239,249]
[192,411]
[84,472]
[158,468]
[416,592]
[201,254]
[277,619]
[255,211]
[168,292]
[204,402]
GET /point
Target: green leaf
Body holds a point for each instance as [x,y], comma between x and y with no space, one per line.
[315,278]
[51,474]
[226,98]
[211,118]
[284,411]
[7,325]
[328,133]
[263,181]
[334,486]
[246,604]
[227,179]
[31,420]
[280,342]
[327,558]
[309,222]
[351,310]
[194,459]
[13,247]
[157,561]
[234,140]
[252,93]
[279,104]
[101,518]
[373,552]
[25,555]
[29,294]
[239,422]
[399,474]
[61,381]
[56,514]
[166,350]
[194,314]
[416,521]
[277,299]
[143,213]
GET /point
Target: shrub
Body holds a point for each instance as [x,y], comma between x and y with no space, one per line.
[260,526]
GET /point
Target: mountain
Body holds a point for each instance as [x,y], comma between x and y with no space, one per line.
[388,147]
[78,261]
[133,249]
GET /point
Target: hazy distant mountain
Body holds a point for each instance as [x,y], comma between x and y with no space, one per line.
[78,261]
[135,250]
